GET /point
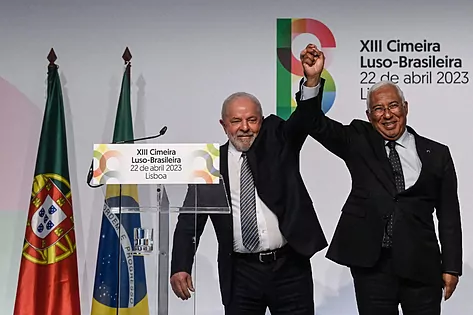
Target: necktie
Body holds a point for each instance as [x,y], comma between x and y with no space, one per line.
[400,186]
[249,224]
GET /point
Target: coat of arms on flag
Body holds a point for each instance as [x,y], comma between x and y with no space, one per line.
[49,220]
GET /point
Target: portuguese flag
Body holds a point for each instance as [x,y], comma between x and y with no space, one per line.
[48,278]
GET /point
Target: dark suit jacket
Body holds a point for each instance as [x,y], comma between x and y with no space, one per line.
[373,197]
[274,161]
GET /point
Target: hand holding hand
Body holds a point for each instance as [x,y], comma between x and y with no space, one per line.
[181,283]
[313,61]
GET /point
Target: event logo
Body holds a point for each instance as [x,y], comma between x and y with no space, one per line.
[156,163]
[289,69]
[106,162]
[210,155]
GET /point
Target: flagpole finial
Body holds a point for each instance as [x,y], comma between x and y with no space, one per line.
[127,55]
[52,57]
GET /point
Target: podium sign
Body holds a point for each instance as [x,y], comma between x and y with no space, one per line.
[146,188]
[156,164]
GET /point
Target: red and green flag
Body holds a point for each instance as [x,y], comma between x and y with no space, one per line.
[48,279]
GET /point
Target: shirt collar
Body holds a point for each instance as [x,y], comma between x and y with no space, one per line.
[402,141]
[233,151]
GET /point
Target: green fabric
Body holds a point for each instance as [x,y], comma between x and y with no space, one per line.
[52,150]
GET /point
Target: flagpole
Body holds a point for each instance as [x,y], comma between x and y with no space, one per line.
[48,284]
[126,58]
[52,58]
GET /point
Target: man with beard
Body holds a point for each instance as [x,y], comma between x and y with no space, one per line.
[265,245]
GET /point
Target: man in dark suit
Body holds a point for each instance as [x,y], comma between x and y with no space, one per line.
[386,231]
[265,244]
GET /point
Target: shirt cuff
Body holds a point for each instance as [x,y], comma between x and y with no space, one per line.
[309,92]
[453,273]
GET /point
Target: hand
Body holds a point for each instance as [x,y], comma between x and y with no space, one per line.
[450,283]
[313,61]
[181,283]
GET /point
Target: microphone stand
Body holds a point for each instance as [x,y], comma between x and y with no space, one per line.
[90,175]
[89,179]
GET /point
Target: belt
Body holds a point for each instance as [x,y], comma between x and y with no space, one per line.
[266,256]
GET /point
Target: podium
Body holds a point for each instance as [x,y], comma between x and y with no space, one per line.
[143,208]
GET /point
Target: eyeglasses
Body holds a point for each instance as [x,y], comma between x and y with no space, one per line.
[381,110]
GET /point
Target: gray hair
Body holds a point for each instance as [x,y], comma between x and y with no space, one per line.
[379,85]
[237,95]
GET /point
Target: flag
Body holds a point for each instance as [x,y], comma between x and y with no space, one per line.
[48,279]
[132,298]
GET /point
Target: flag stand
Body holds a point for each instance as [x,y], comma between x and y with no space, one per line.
[126,58]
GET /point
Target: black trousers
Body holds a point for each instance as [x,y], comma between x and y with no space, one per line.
[379,291]
[284,285]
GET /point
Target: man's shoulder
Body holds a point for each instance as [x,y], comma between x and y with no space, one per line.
[361,127]
[272,122]
[272,119]
[428,141]
[434,143]
[437,148]
[360,123]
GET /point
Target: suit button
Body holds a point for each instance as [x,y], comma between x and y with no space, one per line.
[395,199]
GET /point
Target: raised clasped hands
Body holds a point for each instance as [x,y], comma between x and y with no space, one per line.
[313,61]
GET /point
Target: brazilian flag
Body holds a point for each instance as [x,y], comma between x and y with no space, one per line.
[129,273]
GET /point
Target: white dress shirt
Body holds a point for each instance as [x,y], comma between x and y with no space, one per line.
[268,225]
[410,161]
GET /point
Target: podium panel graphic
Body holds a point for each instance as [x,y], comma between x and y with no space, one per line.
[144,206]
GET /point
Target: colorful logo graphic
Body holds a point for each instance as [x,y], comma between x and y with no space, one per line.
[106,162]
[211,156]
[289,69]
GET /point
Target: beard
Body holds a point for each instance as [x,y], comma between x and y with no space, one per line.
[242,141]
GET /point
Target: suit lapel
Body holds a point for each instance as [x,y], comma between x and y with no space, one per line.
[224,169]
[424,153]
[226,219]
[382,169]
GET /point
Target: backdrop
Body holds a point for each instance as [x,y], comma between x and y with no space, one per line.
[188,55]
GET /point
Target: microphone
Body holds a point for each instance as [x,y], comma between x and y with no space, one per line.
[161,132]
[90,175]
